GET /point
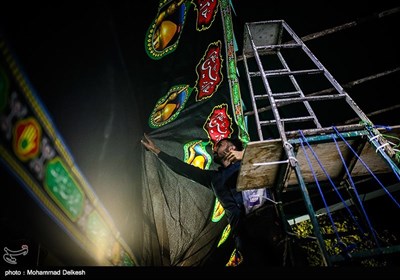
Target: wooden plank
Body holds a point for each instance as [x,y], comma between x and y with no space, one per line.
[330,160]
[373,160]
[253,176]
[262,161]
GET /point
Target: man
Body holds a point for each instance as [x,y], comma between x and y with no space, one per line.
[228,153]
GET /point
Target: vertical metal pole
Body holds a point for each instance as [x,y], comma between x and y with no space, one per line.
[313,218]
[253,100]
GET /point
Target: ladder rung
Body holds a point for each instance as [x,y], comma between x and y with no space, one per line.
[277,95]
[281,46]
[288,120]
[327,130]
[260,96]
[257,74]
[296,72]
[286,94]
[285,72]
[309,98]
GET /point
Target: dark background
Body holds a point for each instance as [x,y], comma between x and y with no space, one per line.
[87,63]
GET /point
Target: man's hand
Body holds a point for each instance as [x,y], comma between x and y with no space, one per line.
[233,156]
[149,144]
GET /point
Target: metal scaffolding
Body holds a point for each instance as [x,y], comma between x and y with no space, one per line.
[285,76]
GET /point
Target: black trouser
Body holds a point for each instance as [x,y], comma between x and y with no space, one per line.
[265,242]
[263,239]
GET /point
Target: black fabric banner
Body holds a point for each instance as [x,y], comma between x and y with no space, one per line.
[184,222]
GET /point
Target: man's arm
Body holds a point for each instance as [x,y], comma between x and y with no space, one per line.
[180,167]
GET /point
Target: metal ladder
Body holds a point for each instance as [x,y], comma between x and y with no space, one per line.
[266,39]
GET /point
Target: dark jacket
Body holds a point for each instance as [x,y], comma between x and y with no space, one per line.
[258,238]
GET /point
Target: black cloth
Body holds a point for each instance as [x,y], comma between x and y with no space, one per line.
[221,181]
[259,236]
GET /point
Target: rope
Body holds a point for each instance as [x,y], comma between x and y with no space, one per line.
[341,245]
[391,136]
[356,192]
[366,166]
[318,185]
[382,146]
[375,137]
[332,183]
[387,127]
[345,249]
[395,146]
[372,139]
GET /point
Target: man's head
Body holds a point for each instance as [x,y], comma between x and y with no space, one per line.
[224,146]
